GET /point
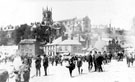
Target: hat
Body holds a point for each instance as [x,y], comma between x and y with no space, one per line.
[90,51]
[38,55]
[44,55]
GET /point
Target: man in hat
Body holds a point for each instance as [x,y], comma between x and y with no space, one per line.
[95,55]
[57,59]
[71,66]
[45,64]
[90,61]
[79,65]
[38,65]
[99,60]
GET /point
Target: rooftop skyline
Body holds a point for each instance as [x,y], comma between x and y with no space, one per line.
[119,13]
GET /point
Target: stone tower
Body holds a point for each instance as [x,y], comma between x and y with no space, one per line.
[47,17]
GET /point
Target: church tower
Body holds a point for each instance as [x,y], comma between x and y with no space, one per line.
[47,17]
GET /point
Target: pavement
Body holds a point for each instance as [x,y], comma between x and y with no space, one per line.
[113,72]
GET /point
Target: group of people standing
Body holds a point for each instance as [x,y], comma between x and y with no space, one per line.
[57,59]
[94,60]
[22,74]
[38,65]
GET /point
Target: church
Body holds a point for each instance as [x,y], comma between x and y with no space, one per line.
[75,30]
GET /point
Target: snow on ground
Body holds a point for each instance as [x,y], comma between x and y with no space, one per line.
[113,72]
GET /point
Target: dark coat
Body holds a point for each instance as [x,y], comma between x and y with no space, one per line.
[100,60]
[71,66]
[79,63]
[89,58]
[45,62]
[38,62]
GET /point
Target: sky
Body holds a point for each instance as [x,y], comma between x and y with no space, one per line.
[119,13]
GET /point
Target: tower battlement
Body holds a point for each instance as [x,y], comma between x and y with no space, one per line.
[47,17]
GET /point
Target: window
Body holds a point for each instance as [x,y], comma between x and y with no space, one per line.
[75,48]
[60,49]
[66,48]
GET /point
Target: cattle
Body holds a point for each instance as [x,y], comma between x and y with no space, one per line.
[4,75]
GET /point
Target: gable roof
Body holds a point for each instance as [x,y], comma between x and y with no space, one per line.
[70,42]
[27,41]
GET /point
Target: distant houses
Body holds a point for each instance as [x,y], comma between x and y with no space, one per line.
[68,45]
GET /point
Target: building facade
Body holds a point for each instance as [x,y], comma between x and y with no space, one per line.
[77,25]
[8,28]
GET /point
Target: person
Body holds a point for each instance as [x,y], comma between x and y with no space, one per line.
[52,60]
[105,56]
[95,55]
[129,58]
[109,57]
[25,61]
[60,60]
[79,65]
[45,64]
[29,61]
[119,56]
[71,67]
[56,59]
[38,65]
[23,73]
[90,61]
[99,60]
[17,75]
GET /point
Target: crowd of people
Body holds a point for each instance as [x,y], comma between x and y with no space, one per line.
[38,65]
[94,60]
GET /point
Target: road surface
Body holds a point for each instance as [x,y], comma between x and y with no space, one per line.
[113,72]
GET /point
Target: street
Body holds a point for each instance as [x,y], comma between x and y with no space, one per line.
[113,72]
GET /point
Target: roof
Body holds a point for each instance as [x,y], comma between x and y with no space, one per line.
[27,41]
[48,44]
[57,41]
[81,39]
[67,20]
[92,49]
[70,42]
[106,39]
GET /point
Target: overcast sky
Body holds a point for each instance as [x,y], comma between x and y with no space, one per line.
[119,12]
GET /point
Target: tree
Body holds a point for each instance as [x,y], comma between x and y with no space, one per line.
[3,38]
[109,31]
[114,46]
[23,32]
[42,33]
[120,32]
